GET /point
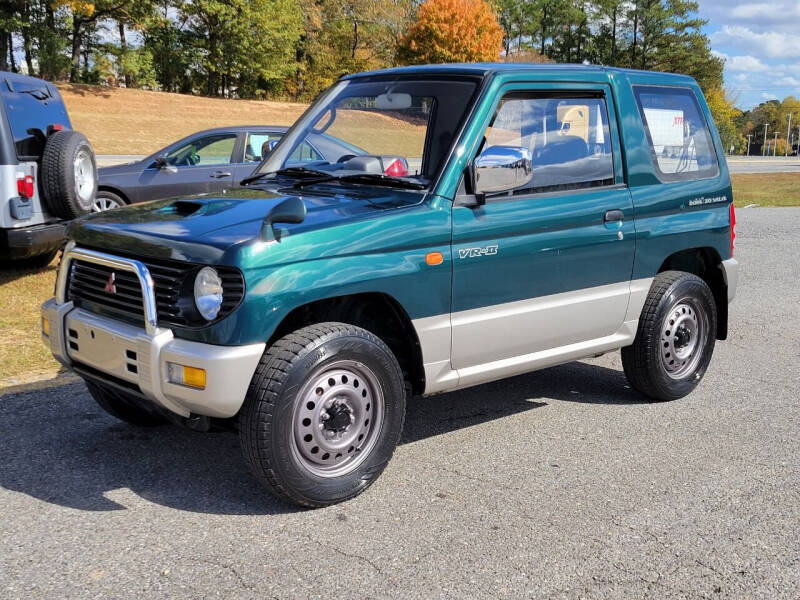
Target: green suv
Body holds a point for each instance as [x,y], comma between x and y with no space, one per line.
[503,218]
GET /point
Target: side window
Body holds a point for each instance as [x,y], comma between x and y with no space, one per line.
[305,153]
[568,137]
[257,146]
[677,132]
[208,150]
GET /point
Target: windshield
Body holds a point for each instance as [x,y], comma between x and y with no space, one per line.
[376,130]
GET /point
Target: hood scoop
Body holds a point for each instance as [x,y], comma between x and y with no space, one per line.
[184,208]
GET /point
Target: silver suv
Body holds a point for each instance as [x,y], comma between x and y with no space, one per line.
[48,173]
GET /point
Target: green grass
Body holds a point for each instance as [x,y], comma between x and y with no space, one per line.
[766,189]
[24,357]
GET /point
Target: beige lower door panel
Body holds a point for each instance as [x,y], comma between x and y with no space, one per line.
[499,332]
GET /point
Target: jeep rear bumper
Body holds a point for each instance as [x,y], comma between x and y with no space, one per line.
[27,242]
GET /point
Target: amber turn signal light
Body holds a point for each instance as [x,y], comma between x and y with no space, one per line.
[434,258]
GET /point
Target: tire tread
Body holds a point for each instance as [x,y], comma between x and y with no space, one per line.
[260,404]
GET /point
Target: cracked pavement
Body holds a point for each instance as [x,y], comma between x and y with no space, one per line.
[557,484]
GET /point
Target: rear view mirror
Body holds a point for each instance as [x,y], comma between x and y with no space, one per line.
[393,101]
[502,168]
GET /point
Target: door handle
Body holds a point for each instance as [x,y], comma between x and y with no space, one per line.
[220,174]
[613,215]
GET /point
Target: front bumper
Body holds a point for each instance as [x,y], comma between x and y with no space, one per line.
[135,358]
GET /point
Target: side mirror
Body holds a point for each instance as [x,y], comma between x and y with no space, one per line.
[291,210]
[501,168]
[161,161]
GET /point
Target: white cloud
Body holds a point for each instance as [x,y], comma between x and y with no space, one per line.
[769,12]
[779,15]
[789,81]
[771,44]
[740,63]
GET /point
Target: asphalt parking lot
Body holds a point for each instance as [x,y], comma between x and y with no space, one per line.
[763,164]
[558,484]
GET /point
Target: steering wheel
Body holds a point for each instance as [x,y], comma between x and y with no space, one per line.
[192,158]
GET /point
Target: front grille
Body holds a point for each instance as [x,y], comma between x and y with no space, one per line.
[173,282]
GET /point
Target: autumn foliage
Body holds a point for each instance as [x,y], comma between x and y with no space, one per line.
[452,31]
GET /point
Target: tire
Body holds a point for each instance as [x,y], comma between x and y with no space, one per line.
[332,369]
[106,200]
[122,406]
[69,175]
[675,339]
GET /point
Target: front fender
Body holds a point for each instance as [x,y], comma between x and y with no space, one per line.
[386,254]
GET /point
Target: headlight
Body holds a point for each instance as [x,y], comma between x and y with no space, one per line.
[208,293]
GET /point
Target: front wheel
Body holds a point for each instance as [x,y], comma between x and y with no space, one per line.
[675,338]
[323,414]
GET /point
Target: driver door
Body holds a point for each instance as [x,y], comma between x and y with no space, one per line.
[544,270]
[202,165]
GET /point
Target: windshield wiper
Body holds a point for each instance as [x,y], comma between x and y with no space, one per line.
[381,179]
[301,172]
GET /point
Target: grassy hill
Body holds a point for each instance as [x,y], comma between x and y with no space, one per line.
[121,121]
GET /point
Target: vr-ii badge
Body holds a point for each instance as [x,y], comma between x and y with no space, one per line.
[477,252]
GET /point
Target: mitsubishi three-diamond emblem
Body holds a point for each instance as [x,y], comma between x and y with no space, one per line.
[111,287]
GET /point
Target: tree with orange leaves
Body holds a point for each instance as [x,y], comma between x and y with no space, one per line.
[452,31]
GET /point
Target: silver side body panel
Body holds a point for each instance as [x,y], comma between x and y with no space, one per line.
[8,189]
[532,329]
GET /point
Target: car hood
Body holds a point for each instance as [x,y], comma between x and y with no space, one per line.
[103,173]
[206,228]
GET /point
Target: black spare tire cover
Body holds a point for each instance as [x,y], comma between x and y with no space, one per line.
[69,174]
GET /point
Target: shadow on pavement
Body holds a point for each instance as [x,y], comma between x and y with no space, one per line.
[59,446]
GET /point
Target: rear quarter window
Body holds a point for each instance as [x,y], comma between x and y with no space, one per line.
[677,132]
[32,107]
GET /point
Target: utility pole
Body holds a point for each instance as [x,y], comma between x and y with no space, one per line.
[788,129]
[775,149]
[764,147]
[749,135]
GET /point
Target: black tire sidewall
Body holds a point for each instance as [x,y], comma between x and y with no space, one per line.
[323,490]
[58,174]
[695,288]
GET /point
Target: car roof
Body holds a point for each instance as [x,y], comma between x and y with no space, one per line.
[486,69]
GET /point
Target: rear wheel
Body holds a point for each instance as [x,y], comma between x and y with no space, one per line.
[122,406]
[675,338]
[323,414]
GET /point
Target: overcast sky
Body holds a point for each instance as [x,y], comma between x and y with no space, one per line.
[761,44]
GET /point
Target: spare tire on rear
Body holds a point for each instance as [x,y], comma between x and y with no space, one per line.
[69,174]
